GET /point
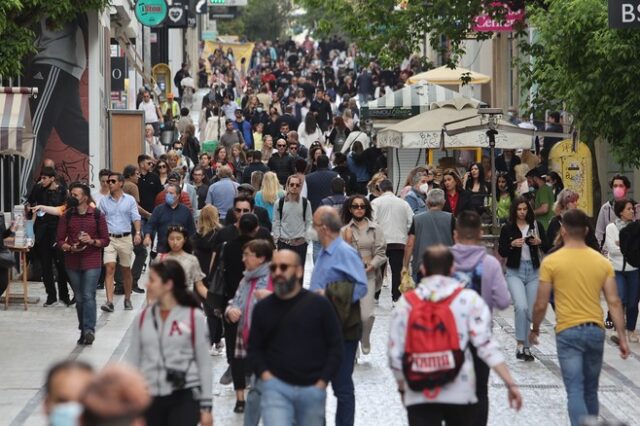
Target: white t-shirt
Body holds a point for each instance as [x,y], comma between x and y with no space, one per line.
[526,251]
[150,114]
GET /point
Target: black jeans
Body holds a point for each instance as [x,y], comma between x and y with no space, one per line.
[435,414]
[238,365]
[213,322]
[481,414]
[301,250]
[395,254]
[179,408]
[48,257]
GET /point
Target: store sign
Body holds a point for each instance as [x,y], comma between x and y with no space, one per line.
[118,73]
[624,14]
[151,13]
[486,23]
[177,15]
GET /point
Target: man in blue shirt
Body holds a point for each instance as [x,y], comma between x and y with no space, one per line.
[222,193]
[171,212]
[339,262]
[120,210]
[244,127]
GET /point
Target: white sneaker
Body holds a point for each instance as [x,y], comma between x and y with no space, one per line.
[633,337]
[217,349]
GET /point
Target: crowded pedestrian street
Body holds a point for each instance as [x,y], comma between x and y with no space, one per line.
[319,212]
[25,335]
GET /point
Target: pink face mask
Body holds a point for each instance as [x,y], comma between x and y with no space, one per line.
[619,192]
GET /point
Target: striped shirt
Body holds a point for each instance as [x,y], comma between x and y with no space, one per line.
[69,229]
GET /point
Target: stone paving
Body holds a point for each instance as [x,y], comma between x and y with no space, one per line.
[34,339]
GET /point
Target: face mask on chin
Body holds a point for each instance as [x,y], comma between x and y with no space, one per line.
[170,199]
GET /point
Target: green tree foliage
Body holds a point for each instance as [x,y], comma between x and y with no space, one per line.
[581,64]
[391,33]
[259,20]
[18,18]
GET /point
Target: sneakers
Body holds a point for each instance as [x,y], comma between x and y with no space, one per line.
[100,286]
[633,337]
[127,305]
[528,356]
[50,302]
[520,353]
[137,289]
[226,378]
[107,307]
[239,408]
[366,349]
[89,337]
[217,349]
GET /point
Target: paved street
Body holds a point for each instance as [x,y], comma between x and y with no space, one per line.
[32,340]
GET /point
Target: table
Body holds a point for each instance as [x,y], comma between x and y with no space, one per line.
[24,265]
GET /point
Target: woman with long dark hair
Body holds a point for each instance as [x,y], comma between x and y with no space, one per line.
[367,238]
[522,241]
[505,195]
[339,134]
[169,346]
[554,180]
[162,169]
[457,199]
[309,131]
[475,184]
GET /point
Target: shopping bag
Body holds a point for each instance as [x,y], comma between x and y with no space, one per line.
[406,283]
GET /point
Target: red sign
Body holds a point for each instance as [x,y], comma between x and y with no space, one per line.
[485,23]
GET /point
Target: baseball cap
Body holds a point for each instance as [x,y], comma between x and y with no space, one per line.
[174,176]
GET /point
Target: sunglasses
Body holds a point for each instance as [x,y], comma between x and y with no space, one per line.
[112,181]
[294,185]
[242,210]
[162,167]
[283,267]
[281,146]
[175,228]
[358,207]
[293,147]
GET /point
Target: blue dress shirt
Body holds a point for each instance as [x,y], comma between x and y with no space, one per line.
[339,262]
[120,213]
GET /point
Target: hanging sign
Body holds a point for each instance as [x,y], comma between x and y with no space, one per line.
[151,13]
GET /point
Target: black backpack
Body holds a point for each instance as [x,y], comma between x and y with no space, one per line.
[630,244]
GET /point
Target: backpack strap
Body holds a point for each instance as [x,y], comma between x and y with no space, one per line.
[412,298]
[193,328]
[142,315]
[304,208]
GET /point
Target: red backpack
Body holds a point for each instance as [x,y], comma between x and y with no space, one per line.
[432,354]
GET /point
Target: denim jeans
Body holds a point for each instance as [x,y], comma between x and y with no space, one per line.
[283,404]
[84,283]
[628,283]
[580,351]
[252,408]
[342,384]
[523,286]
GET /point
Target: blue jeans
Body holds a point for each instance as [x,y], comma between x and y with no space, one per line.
[342,384]
[628,283]
[84,283]
[252,408]
[580,351]
[523,286]
[283,404]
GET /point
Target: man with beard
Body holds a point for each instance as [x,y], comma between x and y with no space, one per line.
[295,348]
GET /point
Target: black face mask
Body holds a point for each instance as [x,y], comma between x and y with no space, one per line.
[72,202]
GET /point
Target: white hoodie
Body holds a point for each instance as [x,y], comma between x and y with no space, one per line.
[473,321]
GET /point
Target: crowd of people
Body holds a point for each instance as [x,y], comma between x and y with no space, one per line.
[227,235]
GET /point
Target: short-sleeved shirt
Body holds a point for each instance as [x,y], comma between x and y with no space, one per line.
[544,195]
[191,266]
[577,276]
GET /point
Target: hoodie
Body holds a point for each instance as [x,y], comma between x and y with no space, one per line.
[473,323]
[494,286]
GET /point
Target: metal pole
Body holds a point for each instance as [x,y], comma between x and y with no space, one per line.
[491,134]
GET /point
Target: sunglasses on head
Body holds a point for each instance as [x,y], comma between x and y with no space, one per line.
[175,228]
[283,267]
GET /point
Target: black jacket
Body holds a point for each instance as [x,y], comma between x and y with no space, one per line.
[554,229]
[510,232]
[283,166]
[464,203]
[319,186]
[253,167]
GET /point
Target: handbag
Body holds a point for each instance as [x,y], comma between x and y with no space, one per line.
[215,292]
[7,258]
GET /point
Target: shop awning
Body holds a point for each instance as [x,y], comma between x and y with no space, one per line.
[16,134]
[449,76]
[407,102]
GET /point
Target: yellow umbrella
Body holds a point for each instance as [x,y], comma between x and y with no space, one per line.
[447,76]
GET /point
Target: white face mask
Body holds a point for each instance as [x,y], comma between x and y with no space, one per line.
[65,414]
[424,188]
[549,184]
